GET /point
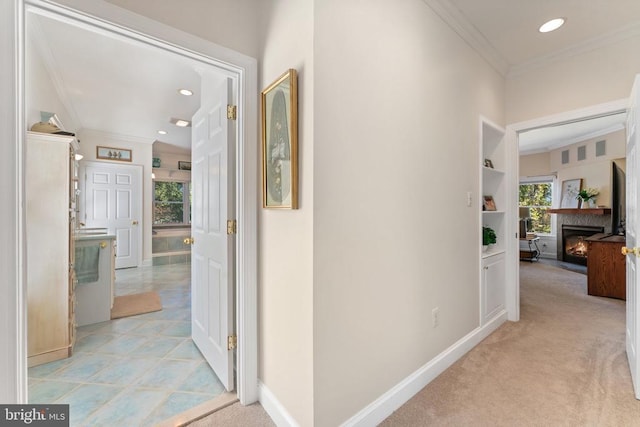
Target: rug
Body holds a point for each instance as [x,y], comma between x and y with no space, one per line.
[131,305]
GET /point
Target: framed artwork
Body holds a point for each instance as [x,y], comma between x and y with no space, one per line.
[279,102]
[488,204]
[488,163]
[570,189]
[110,153]
[184,166]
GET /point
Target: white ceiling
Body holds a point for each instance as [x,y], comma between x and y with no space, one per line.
[116,86]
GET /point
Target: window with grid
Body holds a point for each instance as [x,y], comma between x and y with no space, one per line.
[537,196]
[171,203]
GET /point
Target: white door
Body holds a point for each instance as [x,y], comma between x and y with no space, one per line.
[212,255]
[112,197]
[633,228]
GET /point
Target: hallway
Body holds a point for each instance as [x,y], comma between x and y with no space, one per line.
[137,370]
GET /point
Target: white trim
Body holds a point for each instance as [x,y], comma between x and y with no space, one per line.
[274,408]
[377,411]
[242,69]
[607,108]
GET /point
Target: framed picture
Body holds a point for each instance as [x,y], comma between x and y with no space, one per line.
[279,102]
[110,153]
[184,166]
[488,204]
[570,189]
[488,163]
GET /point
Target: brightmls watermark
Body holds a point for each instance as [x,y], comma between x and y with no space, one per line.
[34,415]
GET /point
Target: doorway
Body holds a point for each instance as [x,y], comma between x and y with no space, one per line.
[242,71]
[512,136]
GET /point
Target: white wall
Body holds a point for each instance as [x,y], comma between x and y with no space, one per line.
[397,100]
[286,237]
[141,155]
[583,80]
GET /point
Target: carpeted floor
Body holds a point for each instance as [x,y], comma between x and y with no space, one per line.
[563,364]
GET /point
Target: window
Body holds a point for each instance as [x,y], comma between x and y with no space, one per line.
[537,196]
[172,203]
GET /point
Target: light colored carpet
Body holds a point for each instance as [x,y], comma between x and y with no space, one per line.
[563,364]
[236,415]
[130,305]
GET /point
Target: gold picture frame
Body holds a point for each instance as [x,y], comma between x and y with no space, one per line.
[279,103]
[110,153]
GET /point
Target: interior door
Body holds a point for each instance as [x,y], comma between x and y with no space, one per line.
[112,197]
[212,255]
[632,229]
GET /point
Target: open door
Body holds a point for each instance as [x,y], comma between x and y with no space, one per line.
[213,204]
[632,227]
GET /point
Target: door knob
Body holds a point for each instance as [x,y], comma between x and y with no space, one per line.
[189,241]
[632,251]
[134,222]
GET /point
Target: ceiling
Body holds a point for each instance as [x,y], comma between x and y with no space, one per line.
[122,87]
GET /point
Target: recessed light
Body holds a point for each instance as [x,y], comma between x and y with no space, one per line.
[162,132]
[185,92]
[182,123]
[552,25]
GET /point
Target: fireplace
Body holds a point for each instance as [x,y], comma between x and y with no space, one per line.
[574,245]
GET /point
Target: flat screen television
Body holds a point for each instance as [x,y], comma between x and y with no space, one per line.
[618,199]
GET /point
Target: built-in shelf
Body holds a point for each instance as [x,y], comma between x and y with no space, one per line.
[590,211]
[491,170]
[491,253]
[493,212]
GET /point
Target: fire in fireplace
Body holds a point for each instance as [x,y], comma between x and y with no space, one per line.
[574,244]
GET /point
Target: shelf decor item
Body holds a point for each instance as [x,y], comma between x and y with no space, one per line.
[587,197]
[279,103]
[488,237]
[109,153]
[570,190]
[156,162]
[488,163]
[184,166]
[488,203]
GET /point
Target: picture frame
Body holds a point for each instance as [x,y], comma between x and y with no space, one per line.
[488,163]
[117,154]
[569,194]
[184,165]
[488,204]
[279,122]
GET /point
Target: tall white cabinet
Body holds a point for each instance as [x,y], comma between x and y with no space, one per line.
[50,211]
[493,184]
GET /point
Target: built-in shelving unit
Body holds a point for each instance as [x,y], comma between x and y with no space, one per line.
[493,183]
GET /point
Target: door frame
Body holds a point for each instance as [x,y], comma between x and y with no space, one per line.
[109,19]
[83,195]
[512,131]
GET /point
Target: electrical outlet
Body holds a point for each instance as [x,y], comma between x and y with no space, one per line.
[435,317]
[468,198]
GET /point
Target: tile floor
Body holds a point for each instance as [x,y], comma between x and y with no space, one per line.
[135,371]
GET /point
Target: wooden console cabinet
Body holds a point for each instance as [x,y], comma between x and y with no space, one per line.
[606,266]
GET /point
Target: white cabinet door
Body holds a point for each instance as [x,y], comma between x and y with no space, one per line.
[493,287]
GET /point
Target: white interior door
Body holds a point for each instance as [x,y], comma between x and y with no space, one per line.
[112,197]
[212,178]
[632,229]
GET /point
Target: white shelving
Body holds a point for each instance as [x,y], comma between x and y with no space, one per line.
[493,183]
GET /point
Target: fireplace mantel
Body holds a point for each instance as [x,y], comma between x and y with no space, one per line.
[591,211]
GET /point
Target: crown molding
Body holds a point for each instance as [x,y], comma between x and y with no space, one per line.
[558,144]
[452,16]
[616,36]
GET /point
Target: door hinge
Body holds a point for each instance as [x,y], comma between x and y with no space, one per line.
[232,112]
[232,342]
[232,226]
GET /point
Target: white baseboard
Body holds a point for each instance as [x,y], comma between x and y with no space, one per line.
[385,405]
[274,408]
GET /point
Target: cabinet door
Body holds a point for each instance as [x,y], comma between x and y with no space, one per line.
[493,287]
